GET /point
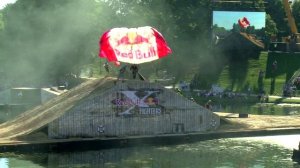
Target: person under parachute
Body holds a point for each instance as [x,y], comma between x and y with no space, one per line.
[134,46]
[122,71]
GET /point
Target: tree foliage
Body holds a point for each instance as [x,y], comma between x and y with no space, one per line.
[1,22]
[271,28]
[274,8]
[44,40]
[296,13]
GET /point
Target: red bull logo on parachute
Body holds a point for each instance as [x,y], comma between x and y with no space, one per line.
[133,45]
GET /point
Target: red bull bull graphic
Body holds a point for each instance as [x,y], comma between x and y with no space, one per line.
[133,45]
[132,38]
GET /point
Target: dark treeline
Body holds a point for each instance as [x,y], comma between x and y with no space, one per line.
[43,40]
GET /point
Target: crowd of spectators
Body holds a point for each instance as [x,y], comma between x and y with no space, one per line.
[225,94]
[209,94]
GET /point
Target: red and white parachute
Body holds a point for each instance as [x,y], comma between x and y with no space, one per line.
[133,45]
[244,22]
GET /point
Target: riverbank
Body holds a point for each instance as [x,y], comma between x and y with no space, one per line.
[232,126]
[258,122]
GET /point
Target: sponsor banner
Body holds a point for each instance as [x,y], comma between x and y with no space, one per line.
[142,102]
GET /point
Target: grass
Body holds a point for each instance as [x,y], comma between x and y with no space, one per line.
[251,70]
[284,100]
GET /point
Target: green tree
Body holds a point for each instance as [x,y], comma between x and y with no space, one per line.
[296,12]
[257,5]
[1,22]
[186,26]
[250,30]
[219,31]
[50,39]
[271,28]
[236,28]
[275,9]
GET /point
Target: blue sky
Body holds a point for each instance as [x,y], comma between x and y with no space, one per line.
[228,18]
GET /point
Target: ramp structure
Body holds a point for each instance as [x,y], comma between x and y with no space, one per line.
[101,108]
[41,115]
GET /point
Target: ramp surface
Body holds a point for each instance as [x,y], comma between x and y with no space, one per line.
[40,116]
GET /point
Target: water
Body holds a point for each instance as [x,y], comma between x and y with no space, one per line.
[259,109]
[250,152]
[253,152]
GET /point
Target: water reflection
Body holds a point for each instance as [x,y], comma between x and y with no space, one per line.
[3,162]
[269,151]
[16,162]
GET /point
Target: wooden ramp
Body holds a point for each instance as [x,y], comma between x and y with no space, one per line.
[40,116]
[253,40]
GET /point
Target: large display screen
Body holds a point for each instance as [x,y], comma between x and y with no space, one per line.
[225,22]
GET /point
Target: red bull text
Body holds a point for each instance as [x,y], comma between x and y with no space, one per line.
[137,53]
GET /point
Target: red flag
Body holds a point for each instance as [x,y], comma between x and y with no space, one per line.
[244,22]
[133,45]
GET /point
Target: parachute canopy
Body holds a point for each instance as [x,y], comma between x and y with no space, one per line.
[244,22]
[133,45]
